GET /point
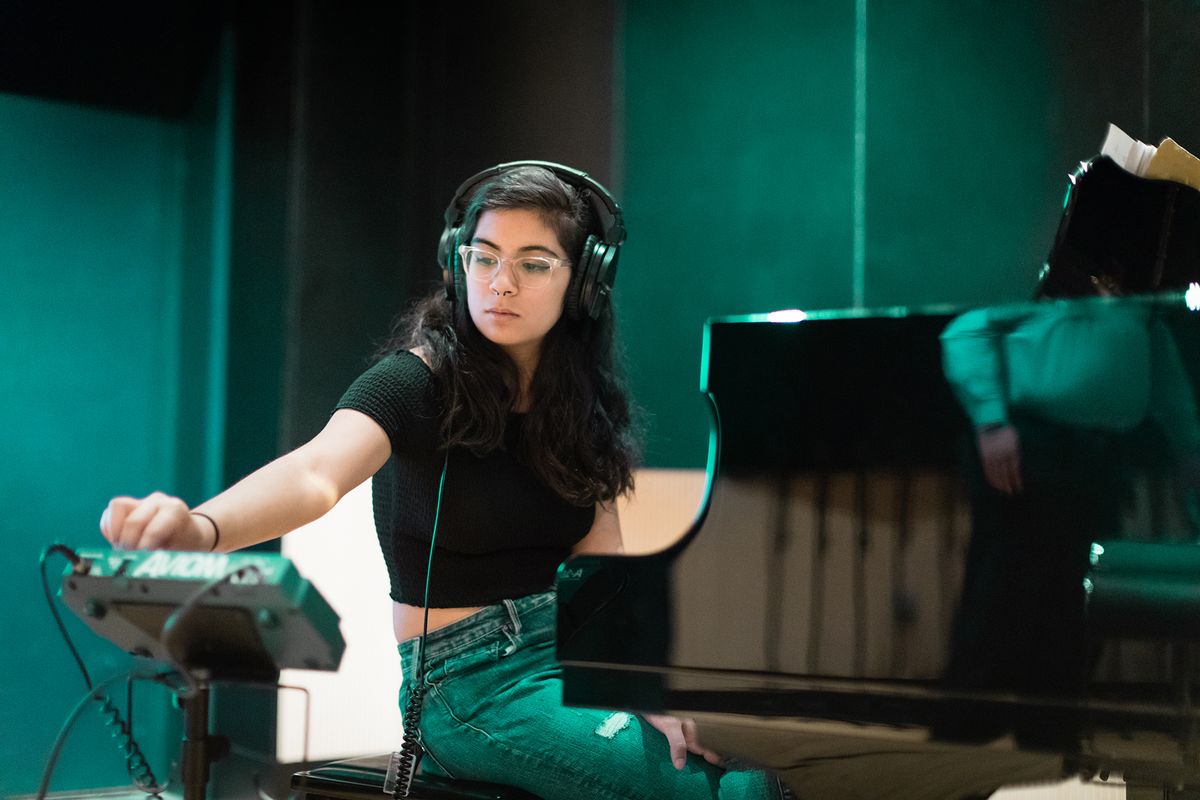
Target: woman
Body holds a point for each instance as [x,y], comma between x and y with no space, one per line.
[502,419]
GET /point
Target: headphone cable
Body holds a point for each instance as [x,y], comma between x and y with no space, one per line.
[404,764]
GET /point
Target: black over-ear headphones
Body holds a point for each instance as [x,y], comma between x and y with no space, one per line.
[592,273]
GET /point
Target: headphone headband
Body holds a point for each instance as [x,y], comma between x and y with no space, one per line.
[613,221]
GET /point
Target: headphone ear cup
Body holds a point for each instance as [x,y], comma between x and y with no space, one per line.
[446,246]
[448,259]
[593,280]
[577,291]
[603,273]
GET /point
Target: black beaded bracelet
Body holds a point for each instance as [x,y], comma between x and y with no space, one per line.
[216,529]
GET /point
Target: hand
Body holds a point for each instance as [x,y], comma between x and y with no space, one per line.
[681,736]
[1000,452]
[155,522]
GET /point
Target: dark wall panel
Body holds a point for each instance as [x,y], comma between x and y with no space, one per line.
[260,237]
[395,105]
[141,56]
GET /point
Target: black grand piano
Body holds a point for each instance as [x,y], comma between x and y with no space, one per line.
[857,607]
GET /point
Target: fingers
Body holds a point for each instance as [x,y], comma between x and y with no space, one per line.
[678,747]
[681,739]
[159,532]
[692,738]
[153,522]
[113,518]
[128,534]
[670,727]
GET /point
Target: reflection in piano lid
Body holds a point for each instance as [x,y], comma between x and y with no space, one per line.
[894,563]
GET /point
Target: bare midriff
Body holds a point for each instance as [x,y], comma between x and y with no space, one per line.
[408,621]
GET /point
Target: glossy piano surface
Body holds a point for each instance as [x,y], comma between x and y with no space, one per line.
[854,565]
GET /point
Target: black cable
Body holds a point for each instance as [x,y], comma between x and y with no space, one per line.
[411,745]
[93,693]
[135,762]
[437,511]
[75,560]
[172,623]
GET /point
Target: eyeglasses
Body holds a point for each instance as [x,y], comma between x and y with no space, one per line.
[531,272]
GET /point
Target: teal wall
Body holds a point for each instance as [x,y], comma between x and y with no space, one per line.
[826,155]
[738,131]
[105,253]
[964,173]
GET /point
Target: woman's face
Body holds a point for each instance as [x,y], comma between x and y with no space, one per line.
[514,316]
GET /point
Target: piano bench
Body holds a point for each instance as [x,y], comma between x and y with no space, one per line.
[362,779]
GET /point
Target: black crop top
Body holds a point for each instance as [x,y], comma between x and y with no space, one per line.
[502,532]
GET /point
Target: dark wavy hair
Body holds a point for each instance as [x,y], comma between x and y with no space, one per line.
[579,435]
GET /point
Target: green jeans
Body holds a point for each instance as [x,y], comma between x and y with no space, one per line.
[494,712]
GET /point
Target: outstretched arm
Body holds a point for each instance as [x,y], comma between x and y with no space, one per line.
[287,493]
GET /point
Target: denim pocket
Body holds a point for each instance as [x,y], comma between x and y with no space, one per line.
[467,661]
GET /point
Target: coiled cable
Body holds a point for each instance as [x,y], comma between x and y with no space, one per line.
[95,693]
[135,762]
[411,746]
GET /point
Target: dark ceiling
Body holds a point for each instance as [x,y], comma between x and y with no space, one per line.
[142,57]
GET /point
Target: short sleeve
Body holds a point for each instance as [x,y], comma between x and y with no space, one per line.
[398,392]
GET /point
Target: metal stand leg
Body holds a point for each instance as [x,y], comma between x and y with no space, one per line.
[199,749]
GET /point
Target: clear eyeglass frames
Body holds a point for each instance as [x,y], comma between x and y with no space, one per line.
[531,272]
